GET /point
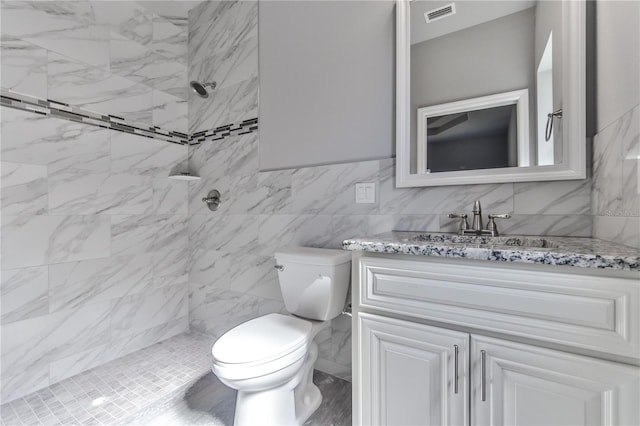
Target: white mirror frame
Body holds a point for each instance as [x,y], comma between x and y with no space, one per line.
[519,98]
[574,142]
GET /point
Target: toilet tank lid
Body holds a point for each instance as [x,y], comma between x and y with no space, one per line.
[313,256]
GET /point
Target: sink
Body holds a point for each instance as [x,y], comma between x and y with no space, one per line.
[484,240]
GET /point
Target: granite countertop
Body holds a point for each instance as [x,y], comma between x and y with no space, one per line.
[568,251]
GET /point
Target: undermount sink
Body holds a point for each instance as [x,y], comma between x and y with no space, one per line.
[531,242]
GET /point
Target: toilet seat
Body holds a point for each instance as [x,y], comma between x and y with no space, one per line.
[261,346]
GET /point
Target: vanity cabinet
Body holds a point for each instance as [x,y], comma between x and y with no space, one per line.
[530,385]
[456,342]
[409,373]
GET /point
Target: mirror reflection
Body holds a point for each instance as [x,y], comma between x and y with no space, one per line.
[462,51]
[481,139]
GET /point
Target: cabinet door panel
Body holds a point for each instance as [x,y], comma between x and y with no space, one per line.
[407,373]
[527,385]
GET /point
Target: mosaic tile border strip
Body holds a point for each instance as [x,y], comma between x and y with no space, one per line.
[222,132]
[65,111]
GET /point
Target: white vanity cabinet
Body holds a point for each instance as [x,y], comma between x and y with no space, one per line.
[530,385]
[409,373]
[458,342]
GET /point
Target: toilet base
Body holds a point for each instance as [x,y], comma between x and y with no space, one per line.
[267,407]
[307,394]
[291,403]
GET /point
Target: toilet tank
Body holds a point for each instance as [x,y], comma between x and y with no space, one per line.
[314,282]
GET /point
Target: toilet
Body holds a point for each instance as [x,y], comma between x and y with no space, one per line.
[269,360]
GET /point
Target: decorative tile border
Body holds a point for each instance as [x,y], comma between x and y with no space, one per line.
[244,127]
[67,112]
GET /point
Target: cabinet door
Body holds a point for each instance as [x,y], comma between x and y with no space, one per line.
[408,373]
[527,385]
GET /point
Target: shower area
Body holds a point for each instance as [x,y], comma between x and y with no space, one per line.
[94,236]
[103,255]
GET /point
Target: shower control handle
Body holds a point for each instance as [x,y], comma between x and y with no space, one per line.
[279,267]
[212,200]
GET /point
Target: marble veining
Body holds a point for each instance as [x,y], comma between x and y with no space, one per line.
[130,19]
[616,180]
[94,235]
[123,65]
[24,67]
[565,251]
[24,293]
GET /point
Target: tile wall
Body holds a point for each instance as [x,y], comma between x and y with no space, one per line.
[616,180]
[94,236]
[94,247]
[112,57]
[231,269]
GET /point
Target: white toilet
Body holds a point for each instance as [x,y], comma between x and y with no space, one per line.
[270,359]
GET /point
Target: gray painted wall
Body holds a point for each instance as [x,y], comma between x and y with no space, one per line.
[326,82]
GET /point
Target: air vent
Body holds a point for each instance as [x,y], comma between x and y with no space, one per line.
[439,13]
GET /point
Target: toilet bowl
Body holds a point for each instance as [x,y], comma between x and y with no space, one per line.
[269,360]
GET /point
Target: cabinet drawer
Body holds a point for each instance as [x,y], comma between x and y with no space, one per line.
[591,312]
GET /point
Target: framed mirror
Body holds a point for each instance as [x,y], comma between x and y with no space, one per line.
[490,91]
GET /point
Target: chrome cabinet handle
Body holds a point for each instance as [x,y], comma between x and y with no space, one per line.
[483,376]
[455,368]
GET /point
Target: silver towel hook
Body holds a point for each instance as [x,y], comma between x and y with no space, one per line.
[549,130]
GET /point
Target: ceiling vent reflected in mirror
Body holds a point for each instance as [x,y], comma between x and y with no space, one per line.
[439,13]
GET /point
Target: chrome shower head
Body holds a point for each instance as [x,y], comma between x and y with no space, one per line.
[201,89]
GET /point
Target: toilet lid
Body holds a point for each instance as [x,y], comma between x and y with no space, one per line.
[261,339]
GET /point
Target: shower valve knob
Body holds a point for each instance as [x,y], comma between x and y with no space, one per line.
[212,200]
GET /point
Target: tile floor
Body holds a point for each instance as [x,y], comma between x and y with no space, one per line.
[169,383]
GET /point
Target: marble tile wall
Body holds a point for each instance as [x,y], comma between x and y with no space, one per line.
[94,235]
[111,57]
[94,247]
[223,47]
[231,273]
[616,180]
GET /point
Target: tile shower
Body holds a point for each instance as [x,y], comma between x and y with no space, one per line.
[94,237]
[103,255]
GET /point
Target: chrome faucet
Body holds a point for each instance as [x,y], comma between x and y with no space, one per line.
[477,216]
[476,229]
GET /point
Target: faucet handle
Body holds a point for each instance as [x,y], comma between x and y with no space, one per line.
[499,216]
[491,226]
[464,224]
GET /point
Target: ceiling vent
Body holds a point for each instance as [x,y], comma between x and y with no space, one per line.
[439,13]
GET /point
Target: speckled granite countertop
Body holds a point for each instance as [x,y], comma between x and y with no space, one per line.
[568,251]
